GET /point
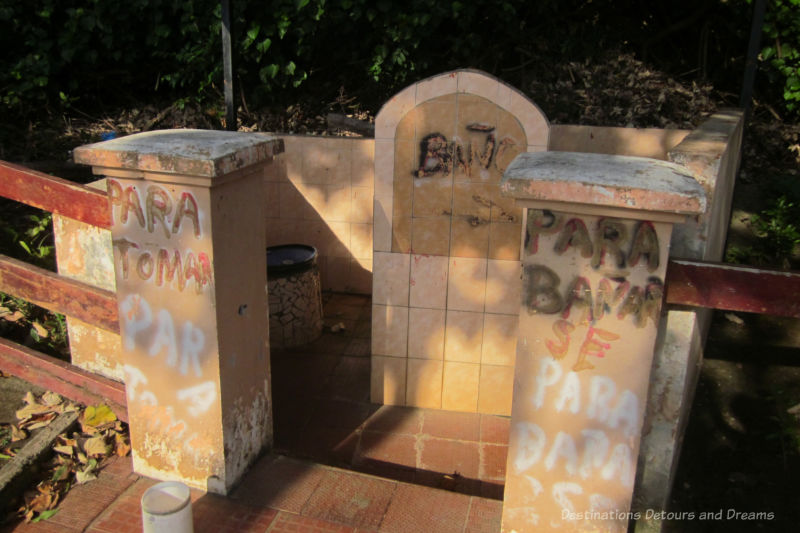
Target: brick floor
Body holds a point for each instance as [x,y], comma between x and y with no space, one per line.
[359,501]
[419,509]
[283,483]
[451,425]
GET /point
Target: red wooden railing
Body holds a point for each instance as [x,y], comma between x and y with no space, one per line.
[57,293]
[733,288]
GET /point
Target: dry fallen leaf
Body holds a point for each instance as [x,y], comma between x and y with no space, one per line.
[66,450]
[13,317]
[121,444]
[84,476]
[96,446]
[18,434]
[38,421]
[51,399]
[40,330]
[98,415]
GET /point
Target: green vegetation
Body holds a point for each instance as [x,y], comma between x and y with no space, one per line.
[61,53]
[782,50]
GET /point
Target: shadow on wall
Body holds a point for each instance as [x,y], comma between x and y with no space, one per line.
[320,193]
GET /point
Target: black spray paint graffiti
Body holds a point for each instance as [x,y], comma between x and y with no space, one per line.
[582,303]
[437,155]
[605,245]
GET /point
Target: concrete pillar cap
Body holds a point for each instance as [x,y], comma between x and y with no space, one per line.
[201,153]
[612,181]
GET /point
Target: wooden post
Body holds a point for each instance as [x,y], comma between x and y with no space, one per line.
[594,258]
[227,67]
[188,235]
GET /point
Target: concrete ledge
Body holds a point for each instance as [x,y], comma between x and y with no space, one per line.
[604,180]
[203,153]
[17,472]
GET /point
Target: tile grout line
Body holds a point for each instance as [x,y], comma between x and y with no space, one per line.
[108,509]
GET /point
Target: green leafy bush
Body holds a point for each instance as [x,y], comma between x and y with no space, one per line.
[782,32]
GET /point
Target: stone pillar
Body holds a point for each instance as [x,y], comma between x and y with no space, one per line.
[189,244]
[595,250]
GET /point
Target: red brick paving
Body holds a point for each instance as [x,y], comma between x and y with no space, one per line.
[283,483]
[359,501]
[493,462]
[394,419]
[451,425]
[398,449]
[484,516]
[451,457]
[419,509]
[495,429]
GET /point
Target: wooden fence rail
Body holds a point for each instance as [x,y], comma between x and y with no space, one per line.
[57,293]
[53,194]
[733,288]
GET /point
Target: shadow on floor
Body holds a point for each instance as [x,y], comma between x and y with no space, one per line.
[322,413]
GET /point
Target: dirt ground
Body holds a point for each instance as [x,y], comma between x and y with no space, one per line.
[740,452]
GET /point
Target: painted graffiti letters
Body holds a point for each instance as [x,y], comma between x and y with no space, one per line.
[139,323]
[198,400]
[437,155]
[605,245]
[168,266]
[592,288]
[159,208]
[583,304]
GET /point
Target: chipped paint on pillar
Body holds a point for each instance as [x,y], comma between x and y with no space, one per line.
[193,312]
[247,428]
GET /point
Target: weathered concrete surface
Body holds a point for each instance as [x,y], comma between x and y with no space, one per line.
[193,152]
[712,153]
[15,474]
[604,180]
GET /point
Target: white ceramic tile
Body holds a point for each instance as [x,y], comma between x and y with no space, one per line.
[460,386]
[478,84]
[499,345]
[424,383]
[426,333]
[466,284]
[389,330]
[382,224]
[384,168]
[390,274]
[463,336]
[392,112]
[436,86]
[388,382]
[503,286]
[428,281]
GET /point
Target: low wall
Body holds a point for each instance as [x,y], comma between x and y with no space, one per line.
[320,192]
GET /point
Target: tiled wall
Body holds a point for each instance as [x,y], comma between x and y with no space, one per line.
[446,260]
[319,192]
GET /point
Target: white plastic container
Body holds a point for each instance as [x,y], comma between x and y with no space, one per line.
[167,508]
